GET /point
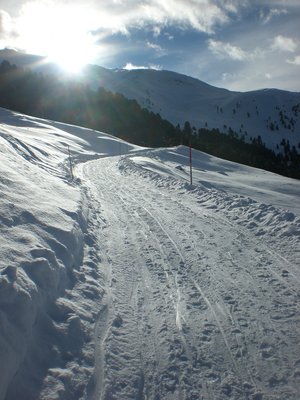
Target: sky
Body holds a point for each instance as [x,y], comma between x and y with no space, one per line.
[235,44]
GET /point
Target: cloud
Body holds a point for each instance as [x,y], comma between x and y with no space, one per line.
[129,66]
[156,31]
[158,49]
[200,15]
[227,50]
[266,17]
[7,32]
[169,36]
[5,24]
[283,43]
[157,67]
[295,61]
[108,17]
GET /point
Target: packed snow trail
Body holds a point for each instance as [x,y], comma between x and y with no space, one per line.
[196,306]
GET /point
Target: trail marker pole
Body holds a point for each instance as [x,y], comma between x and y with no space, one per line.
[70,163]
[191,171]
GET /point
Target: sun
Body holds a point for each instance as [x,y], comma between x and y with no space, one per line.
[71,50]
[62,33]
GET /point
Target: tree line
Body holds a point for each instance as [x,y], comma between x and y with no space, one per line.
[49,96]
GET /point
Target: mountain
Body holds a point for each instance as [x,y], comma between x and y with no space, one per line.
[271,115]
[126,282]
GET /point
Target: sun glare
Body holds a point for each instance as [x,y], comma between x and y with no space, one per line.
[62,33]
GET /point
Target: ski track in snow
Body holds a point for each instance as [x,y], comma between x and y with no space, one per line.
[197,306]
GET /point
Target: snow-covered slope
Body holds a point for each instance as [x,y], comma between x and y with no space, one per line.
[43,245]
[129,283]
[270,113]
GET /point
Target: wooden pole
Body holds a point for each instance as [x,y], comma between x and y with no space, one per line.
[191,170]
[70,163]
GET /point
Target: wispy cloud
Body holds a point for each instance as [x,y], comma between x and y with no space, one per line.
[267,16]
[200,15]
[227,50]
[160,51]
[283,43]
[156,31]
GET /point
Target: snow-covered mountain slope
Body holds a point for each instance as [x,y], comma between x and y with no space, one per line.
[129,283]
[269,113]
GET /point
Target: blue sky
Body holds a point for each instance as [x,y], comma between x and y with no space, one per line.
[235,44]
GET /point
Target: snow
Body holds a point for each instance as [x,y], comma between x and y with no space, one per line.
[130,283]
[43,220]
[215,173]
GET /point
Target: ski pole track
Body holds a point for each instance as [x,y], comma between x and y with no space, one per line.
[198,310]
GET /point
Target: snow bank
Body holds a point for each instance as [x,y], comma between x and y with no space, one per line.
[49,277]
[41,243]
[239,191]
